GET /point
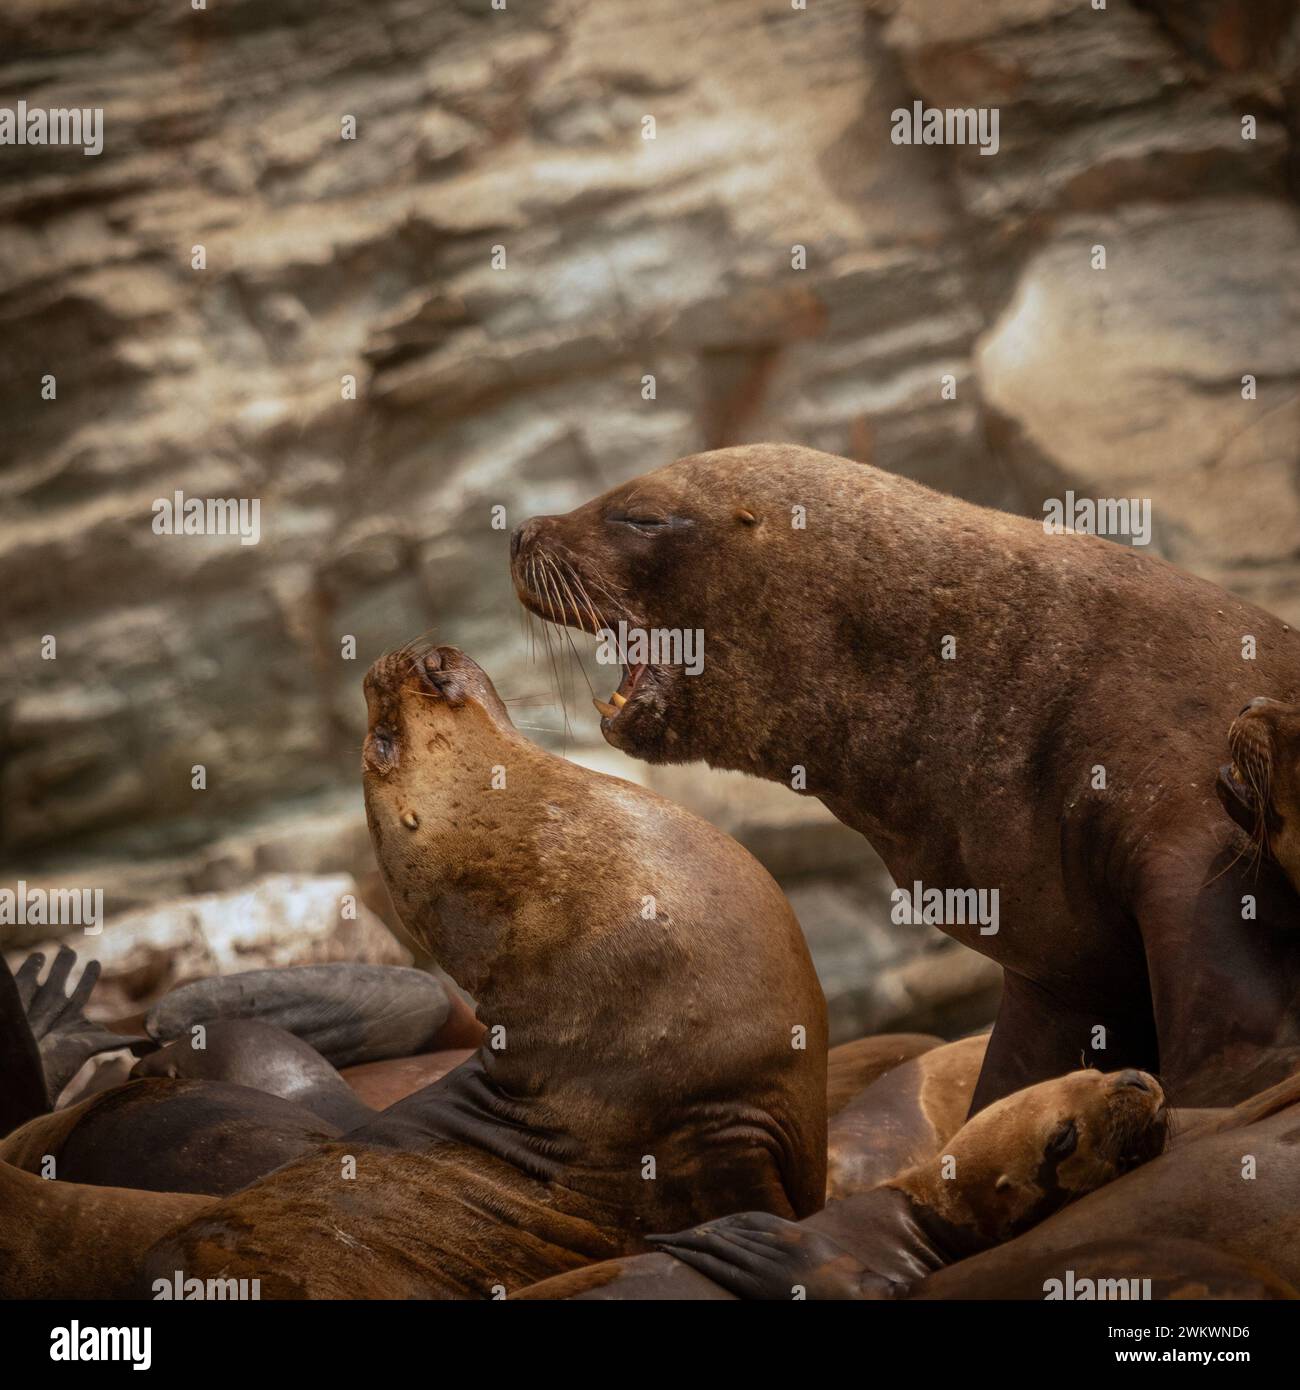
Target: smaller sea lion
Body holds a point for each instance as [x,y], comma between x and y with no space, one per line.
[903,1118]
[1230,1183]
[1008,1168]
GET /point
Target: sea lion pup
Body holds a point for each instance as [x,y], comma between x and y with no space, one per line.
[1231,1184]
[657,1031]
[903,1118]
[1005,1170]
[992,706]
[1260,787]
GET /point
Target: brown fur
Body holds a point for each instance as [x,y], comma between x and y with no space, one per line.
[381,1084]
[66,1240]
[903,1118]
[621,1036]
[1261,787]
[1196,1191]
[1000,1174]
[853,1066]
[1120,908]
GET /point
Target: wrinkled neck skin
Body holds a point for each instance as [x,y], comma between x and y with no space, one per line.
[516,894]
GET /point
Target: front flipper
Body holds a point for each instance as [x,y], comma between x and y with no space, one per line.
[64,1035]
[756,1255]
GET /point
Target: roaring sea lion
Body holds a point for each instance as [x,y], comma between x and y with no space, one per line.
[1260,787]
[1231,1184]
[1008,1168]
[996,708]
[657,1034]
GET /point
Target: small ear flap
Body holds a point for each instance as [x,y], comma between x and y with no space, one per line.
[748,517]
[1002,1183]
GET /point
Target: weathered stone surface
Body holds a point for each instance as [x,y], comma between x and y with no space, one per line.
[522,387]
[281,919]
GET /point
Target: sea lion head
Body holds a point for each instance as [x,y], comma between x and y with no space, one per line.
[708,550]
[1260,787]
[1032,1152]
[437,728]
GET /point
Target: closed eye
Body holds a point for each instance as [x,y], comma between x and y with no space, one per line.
[646,524]
[1064,1140]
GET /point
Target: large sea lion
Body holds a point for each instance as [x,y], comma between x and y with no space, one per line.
[997,709]
[1008,1168]
[657,1036]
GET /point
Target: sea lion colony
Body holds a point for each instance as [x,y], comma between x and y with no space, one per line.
[640,1108]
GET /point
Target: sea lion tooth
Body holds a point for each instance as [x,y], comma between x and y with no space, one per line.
[609,711]
[619,700]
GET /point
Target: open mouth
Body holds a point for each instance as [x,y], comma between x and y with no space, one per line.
[612,708]
[553,589]
[1238,789]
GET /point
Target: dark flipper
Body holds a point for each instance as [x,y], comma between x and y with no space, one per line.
[22,1078]
[65,1036]
[756,1255]
[249,1052]
[348,1013]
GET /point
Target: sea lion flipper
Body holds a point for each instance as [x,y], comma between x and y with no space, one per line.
[24,1094]
[64,1036]
[754,1254]
[349,1012]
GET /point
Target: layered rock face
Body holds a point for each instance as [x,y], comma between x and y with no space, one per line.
[385,267]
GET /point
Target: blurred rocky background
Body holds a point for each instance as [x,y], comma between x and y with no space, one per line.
[372,259]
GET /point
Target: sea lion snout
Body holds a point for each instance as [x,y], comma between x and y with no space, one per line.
[1137,1080]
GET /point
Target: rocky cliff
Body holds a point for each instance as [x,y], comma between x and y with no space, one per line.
[386,265]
